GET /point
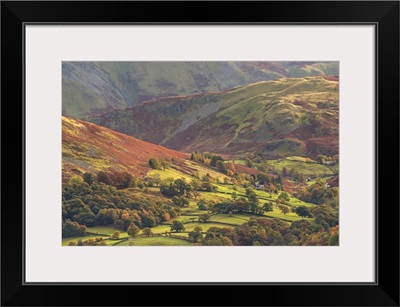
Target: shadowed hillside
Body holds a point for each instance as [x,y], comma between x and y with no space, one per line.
[94,87]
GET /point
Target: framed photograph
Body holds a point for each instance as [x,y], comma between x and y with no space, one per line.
[161,150]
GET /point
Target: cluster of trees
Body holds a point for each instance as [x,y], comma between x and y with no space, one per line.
[179,187]
[117,179]
[241,205]
[73,229]
[263,231]
[215,161]
[89,242]
[257,161]
[156,163]
[319,194]
[206,158]
[294,175]
[120,180]
[323,159]
[85,205]
[303,211]
[250,204]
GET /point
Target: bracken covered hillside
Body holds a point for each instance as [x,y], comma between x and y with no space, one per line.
[86,147]
[289,116]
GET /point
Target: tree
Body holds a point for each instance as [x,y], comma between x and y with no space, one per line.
[196,184]
[198,228]
[221,166]
[165,164]
[196,194]
[251,195]
[103,177]
[85,218]
[322,158]
[208,187]
[202,204]
[180,201]
[154,163]
[284,209]
[204,217]
[147,232]
[177,226]
[95,242]
[196,235]
[73,229]
[263,178]
[215,159]
[230,168]
[89,178]
[115,235]
[234,195]
[268,207]
[303,211]
[284,171]
[284,196]
[121,180]
[133,230]
[182,186]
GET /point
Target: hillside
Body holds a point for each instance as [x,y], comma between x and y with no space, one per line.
[289,116]
[86,146]
[94,87]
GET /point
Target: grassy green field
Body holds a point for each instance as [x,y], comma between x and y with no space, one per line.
[289,217]
[300,159]
[308,169]
[169,173]
[156,241]
[226,191]
[236,219]
[107,230]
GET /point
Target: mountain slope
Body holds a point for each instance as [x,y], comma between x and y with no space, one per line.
[94,87]
[291,116]
[86,146]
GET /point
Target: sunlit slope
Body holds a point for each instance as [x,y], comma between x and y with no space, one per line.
[86,146]
[289,116]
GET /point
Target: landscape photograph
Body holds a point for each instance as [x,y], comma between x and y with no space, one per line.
[200,153]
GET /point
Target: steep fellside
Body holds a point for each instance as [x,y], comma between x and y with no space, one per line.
[290,116]
[86,146]
[94,87]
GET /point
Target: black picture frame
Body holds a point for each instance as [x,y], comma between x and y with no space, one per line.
[383,14]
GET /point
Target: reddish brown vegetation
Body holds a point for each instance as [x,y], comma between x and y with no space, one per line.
[328,145]
[333,182]
[126,152]
[241,169]
[332,78]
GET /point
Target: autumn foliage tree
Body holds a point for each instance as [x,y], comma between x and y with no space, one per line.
[147,232]
[133,230]
[73,229]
